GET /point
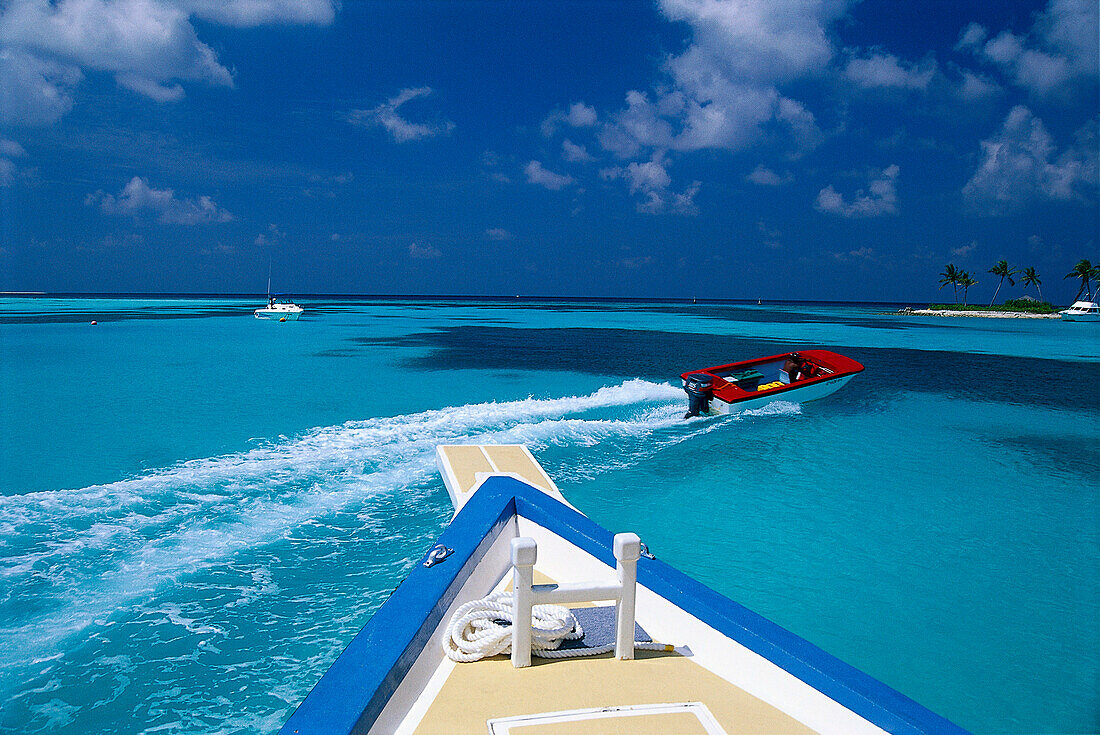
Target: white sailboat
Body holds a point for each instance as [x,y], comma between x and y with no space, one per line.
[278,306]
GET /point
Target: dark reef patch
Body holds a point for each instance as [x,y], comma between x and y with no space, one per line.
[662,356]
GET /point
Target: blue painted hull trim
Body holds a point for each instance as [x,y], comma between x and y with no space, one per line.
[353,692]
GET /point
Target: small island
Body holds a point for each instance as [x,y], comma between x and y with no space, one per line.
[980,311]
[1025,307]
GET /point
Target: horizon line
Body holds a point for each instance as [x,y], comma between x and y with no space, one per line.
[444,297]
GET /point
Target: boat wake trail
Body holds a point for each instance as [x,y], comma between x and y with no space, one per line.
[73,558]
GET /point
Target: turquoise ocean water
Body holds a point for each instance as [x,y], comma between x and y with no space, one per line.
[198,509]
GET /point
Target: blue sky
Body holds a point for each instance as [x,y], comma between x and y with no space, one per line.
[776,149]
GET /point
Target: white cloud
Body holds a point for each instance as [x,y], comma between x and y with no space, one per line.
[639,125]
[971,37]
[536,174]
[138,197]
[574,152]
[976,86]
[1059,48]
[764,176]
[880,199]
[651,180]
[648,176]
[252,13]
[34,91]
[144,43]
[579,115]
[387,117]
[9,149]
[499,234]
[764,41]
[150,46]
[724,91]
[424,252]
[887,70]
[1020,164]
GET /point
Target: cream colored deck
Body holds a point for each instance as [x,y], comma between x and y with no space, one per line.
[464,467]
[742,691]
[475,692]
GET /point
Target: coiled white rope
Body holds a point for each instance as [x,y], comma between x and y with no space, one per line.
[483,628]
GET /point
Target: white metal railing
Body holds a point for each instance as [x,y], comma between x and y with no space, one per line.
[627,549]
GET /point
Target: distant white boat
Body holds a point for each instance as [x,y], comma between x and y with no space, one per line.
[1082,311]
[278,308]
[283,310]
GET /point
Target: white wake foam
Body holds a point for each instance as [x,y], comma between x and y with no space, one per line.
[81,554]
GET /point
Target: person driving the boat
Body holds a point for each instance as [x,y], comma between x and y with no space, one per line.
[792,366]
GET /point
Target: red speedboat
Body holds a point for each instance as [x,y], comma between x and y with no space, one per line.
[794,376]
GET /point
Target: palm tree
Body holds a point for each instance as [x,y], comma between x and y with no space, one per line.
[1002,270]
[1084,271]
[1031,278]
[950,276]
[966,282]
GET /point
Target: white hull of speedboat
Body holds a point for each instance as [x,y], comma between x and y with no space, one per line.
[802,394]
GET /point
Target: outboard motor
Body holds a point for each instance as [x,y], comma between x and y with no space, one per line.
[698,388]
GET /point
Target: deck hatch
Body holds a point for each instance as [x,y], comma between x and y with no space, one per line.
[689,718]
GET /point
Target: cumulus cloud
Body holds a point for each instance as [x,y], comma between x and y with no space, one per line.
[888,71]
[424,252]
[763,176]
[1059,48]
[9,149]
[1021,164]
[138,197]
[34,91]
[977,86]
[386,116]
[537,174]
[879,199]
[651,182]
[971,37]
[579,115]
[722,91]
[724,85]
[574,152]
[149,46]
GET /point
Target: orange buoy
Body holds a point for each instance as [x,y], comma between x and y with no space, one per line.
[283,319]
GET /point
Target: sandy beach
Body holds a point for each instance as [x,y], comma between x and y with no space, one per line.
[985,314]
